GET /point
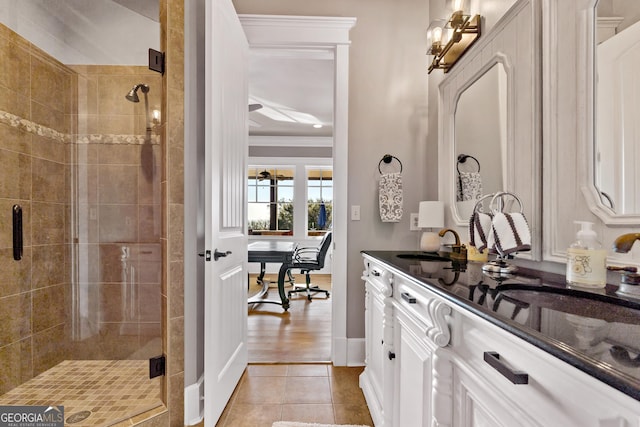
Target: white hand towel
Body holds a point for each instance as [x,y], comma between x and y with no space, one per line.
[479,229]
[509,233]
[390,197]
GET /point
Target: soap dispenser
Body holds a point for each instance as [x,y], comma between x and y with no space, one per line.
[586,260]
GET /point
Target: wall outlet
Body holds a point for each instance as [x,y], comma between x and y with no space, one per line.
[413,222]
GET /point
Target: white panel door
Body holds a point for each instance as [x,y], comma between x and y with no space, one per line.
[226,135]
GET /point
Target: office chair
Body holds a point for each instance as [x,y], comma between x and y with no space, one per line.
[309,259]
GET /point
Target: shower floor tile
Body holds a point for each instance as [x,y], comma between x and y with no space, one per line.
[111,390]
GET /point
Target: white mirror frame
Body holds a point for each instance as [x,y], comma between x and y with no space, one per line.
[568,95]
[514,41]
[606,215]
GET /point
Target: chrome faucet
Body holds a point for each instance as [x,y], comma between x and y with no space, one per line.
[458,250]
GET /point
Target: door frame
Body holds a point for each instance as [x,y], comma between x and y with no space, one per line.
[333,33]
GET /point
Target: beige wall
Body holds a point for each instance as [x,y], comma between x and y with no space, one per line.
[387,114]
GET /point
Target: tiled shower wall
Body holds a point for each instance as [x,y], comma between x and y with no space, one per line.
[44,106]
[118,203]
[35,97]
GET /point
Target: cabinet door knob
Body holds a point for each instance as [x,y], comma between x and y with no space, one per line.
[392,355]
[516,377]
[375,273]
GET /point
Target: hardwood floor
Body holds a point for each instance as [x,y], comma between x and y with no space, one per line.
[300,335]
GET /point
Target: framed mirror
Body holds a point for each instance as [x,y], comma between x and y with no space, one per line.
[480,118]
[571,148]
[481,167]
[616,141]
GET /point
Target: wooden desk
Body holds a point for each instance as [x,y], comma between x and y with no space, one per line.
[275,251]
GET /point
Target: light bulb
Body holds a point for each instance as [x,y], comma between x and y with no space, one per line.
[437,35]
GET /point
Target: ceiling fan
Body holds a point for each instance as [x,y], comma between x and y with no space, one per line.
[265,174]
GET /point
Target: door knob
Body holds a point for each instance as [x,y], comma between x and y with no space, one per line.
[217,254]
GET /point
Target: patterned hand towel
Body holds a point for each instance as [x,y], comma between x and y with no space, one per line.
[390,197]
[479,230]
[509,233]
[469,186]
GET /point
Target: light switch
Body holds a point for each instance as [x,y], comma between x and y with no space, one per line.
[355,213]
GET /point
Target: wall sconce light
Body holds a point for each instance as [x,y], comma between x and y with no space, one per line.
[449,39]
[155,117]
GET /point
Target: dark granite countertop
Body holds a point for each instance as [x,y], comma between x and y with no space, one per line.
[596,331]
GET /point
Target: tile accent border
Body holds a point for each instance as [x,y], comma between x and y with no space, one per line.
[31,127]
[37,129]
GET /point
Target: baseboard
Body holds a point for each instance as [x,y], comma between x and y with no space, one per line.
[370,397]
[194,402]
[355,351]
[348,351]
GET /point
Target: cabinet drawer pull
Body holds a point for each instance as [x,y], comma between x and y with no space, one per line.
[408,298]
[516,377]
[375,273]
[391,355]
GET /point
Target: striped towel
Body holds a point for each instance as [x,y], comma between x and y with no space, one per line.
[509,233]
[390,197]
[479,229]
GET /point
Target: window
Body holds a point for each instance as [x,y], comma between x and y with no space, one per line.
[279,207]
[270,195]
[319,200]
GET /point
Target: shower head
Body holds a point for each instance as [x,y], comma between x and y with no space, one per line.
[133,93]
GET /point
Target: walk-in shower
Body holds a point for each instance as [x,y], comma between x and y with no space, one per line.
[82,307]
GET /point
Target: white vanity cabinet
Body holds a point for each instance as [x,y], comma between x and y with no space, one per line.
[420,334]
[435,360]
[501,380]
[377,379]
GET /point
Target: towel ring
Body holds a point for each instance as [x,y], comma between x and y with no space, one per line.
[478,206]
[387,158]
[462,158]
[498,197]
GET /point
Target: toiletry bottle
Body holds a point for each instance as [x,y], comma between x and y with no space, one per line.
[586,260]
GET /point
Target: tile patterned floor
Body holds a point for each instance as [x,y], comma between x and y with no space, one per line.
[312,393]
[81,385]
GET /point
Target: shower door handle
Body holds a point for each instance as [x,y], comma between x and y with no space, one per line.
[17,232]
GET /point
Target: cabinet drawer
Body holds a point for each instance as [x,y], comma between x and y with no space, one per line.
[425,309]
[546,390]
[378,277]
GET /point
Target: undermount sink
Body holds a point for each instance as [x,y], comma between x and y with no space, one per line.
[423,256]
[572,301]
